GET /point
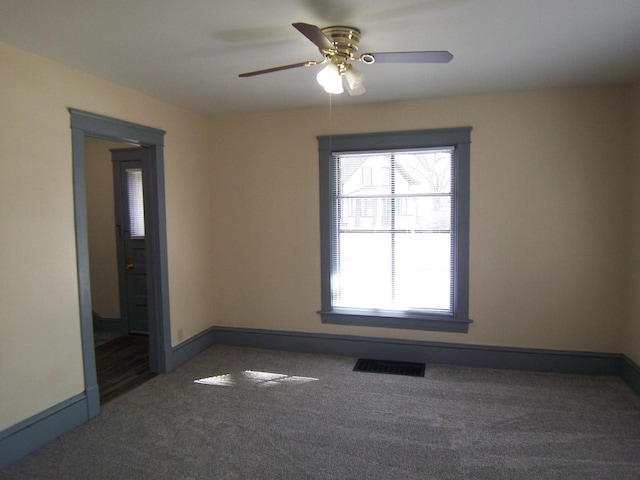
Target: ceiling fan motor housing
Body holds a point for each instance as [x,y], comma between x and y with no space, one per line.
[345,40]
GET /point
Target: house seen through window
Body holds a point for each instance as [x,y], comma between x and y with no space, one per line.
[395,229]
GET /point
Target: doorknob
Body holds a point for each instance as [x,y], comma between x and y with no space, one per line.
[128,265]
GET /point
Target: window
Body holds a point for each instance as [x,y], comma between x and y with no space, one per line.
[394,213]
[135,202]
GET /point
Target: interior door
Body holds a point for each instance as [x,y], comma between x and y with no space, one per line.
[130,237]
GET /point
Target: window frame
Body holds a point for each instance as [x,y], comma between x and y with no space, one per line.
[460,139]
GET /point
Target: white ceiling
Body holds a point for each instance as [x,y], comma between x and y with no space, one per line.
[190,52]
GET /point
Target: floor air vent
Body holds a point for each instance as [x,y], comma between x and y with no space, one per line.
[392,368]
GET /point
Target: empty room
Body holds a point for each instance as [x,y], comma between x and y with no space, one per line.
[320,239]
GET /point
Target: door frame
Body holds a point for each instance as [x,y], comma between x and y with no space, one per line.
[86,124]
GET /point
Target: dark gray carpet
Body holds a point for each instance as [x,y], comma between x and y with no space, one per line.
[317,419]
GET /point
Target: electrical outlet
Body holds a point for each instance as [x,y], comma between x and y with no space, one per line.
[180,335]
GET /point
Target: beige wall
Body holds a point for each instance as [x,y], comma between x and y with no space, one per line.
[550,228]
[40,353]
[100,227]
[549,215]
[632,348]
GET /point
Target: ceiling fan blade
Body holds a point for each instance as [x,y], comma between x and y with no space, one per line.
[411,57]
[277,69]
[314,34]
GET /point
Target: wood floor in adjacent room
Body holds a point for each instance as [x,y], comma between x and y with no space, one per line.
[122,363]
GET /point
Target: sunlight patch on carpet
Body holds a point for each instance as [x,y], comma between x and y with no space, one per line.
[262,379]
[219,380]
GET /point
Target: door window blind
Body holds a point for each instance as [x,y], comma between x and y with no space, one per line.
[135,202]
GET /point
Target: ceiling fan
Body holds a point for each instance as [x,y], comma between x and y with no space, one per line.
[338,46]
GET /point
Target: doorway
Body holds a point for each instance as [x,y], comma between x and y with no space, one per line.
[116,237]
[87,125]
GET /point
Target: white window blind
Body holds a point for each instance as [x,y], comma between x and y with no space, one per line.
[135,201]
[392,236]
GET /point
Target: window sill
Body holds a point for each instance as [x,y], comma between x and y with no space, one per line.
[414,321]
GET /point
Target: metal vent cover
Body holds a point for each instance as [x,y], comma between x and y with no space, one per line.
[389,367]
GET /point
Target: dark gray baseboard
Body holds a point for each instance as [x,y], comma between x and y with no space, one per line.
[106,325]
[32,433]
[190,348]
[28,435]
[529,359]
[630,373]
[537,360]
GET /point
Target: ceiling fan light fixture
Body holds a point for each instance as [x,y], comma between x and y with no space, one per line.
[354,78]
[330,79]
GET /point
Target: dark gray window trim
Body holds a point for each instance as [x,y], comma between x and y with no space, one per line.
[460,138]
